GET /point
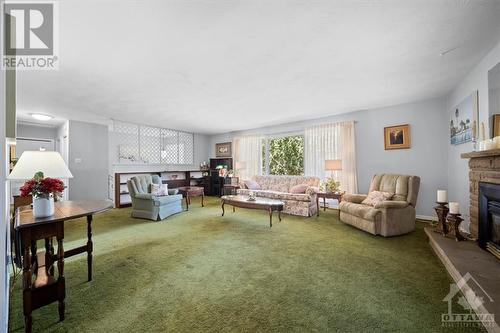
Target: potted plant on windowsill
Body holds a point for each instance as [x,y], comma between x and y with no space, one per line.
[43,190]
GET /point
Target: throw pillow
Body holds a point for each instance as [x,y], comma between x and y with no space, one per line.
[252,185]
[299,189]
[376,197]
[163,190]
[159,190]
[154,189]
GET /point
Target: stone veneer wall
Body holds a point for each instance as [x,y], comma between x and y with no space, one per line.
[484,167]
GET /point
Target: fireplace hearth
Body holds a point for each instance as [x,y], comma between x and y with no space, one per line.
[489,218]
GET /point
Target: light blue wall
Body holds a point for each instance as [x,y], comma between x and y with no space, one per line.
[427,157]
[88,161]
[36,131]
[458,170]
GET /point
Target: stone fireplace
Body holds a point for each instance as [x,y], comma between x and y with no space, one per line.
[484,187]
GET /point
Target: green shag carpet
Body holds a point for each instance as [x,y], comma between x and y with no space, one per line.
[200,272]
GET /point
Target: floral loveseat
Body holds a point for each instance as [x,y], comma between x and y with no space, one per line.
[278,187]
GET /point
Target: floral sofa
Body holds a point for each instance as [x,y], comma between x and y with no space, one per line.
[278,187]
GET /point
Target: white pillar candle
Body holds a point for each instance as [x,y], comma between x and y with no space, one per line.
[442,196]
[454,208]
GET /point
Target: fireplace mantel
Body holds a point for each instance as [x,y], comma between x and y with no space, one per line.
[484,166]
[484,153]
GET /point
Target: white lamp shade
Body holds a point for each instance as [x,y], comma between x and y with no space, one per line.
[50,163]
[240,165]
[333,165]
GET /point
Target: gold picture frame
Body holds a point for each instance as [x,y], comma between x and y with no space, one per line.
[397,137]
[496,125]
[12,157]
[223,149]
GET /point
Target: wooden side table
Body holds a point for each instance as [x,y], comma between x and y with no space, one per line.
[46,287]
[192,191]
[326,195]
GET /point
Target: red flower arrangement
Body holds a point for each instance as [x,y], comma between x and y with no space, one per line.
[40,187]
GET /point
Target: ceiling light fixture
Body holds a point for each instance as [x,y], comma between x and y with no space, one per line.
[42,117]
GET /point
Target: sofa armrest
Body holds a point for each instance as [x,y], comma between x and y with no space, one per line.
[144,196]
[354,198]
[312,190]
[392,204]
[173,191]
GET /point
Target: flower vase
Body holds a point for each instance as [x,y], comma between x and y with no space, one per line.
[43,206]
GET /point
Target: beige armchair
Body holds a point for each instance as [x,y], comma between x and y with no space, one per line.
[388,218]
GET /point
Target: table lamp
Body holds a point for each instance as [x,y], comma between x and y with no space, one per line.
[333,165]
[51,164]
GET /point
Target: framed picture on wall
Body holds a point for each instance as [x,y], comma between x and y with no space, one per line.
[463,120]
[397,137]
[223,149]
[12,157]
[496,125]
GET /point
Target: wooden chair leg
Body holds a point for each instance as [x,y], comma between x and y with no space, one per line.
[60,278]
[90,247]
[28,319]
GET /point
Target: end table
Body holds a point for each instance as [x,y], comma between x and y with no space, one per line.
[330,195]
[192,191]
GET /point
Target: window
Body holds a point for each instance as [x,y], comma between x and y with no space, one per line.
[283,155]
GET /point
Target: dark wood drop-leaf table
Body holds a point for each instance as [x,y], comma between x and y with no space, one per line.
[46,288]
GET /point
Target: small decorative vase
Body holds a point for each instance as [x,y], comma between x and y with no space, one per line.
[475,146]
[43,207]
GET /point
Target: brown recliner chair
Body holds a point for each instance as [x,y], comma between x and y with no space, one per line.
[388,218]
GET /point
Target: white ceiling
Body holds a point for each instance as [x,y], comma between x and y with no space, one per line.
[219,66]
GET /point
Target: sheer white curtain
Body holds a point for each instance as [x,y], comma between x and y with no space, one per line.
[248,151]
[329,142]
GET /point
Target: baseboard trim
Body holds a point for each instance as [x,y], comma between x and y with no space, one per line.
[427,218]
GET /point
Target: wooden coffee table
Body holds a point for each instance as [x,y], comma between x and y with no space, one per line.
[242,201]
[192,191]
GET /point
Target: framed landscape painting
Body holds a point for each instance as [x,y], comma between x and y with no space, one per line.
[397,137]
[463,122]
[223,149]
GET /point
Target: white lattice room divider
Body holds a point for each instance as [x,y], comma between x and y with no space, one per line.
[186,148]
[127,141]
[152,145]
[170,149]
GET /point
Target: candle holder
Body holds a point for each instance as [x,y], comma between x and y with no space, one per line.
[441,211]
[453,221]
